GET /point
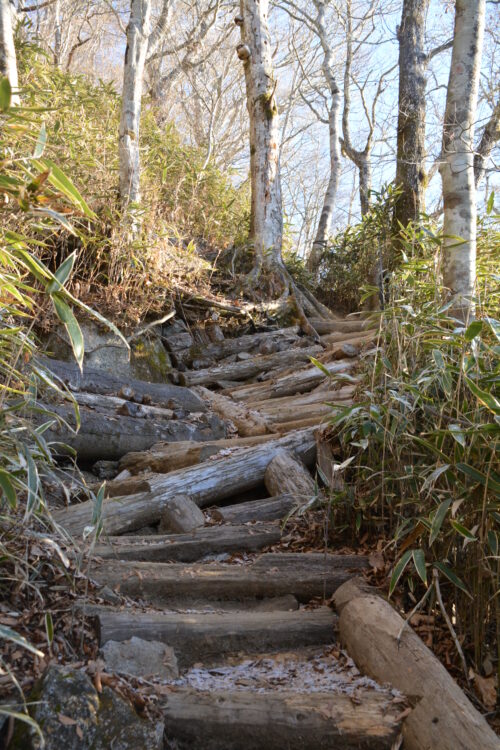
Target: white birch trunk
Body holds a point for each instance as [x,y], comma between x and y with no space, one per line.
[266,223]
[57,33]
[8,62]
[410,172]
[138,32]
[457,166]
[326,217]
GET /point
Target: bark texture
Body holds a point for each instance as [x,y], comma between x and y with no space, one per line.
[8,61]
[443,717]
[326,217]
[457,165]
[266,221]
[410,171]
[490,136]
[138,31]
[287,475]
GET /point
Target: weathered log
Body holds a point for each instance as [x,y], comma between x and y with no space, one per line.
[212,540]
[273,405]
[113,405]
[443,717]
[209,636]
[225,720]
[105,436]
[285,428]
[266,341]
[206,483]
[327,463]
[287,385]
[268,509]
[356,339]
[285,474]
[180,516]
[248,368]
[324,326]
[248,423]
[303,575]
[293,414]
[165,457]
[95,381]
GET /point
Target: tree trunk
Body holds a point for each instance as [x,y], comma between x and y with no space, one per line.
[457,166]
[266,222]
[138,31]
[326,217]
[208,636]
[8,61]
[410,174]
[305,575]
[214,540]
[365,182]
[223,720]
[205,484]
[373,634]
[491,135]
[57,33]
[285,474]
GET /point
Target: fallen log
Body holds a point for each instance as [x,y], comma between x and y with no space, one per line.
[285,474]
[283,338]
[356,339]
[95,381]
[373,633]
[324,326]
[109,437]
[165,457]
[287,385]
[224,720]
[305,575]
[212,540]
[269,509]
[248,368]
[209,636]
[206,483]
[297,413]
[271,406]
[248,423]
[285,428]
[113,405]
[181,516]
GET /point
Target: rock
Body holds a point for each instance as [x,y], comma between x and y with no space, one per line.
[140,658]
[181,515]
[177,336]
[109,596]
[147,359]
[105,469]
[74,716]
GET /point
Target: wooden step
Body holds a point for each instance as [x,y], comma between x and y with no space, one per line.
[267,509]
[205,484]
[207,637]
[212,540]
[250,720]
[305,575]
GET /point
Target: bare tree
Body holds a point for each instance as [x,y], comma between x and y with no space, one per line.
[266,222]
[457,165]
[8,62]
[138,31]
[490,136]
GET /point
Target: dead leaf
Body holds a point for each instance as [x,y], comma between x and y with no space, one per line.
[66,721]
[376,560]
[486,690]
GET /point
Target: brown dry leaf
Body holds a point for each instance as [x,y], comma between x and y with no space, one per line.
[376,560]
[66,721]
[486,690]
[79,732]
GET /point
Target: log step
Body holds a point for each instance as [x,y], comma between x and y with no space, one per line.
[208,637]
[305,575]
[248,720]
[212,540]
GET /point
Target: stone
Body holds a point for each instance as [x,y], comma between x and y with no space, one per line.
[147,359]
[140,658]
[181,516]
[105,469]
[73,715]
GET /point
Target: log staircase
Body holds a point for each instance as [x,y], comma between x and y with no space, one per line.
[254,639]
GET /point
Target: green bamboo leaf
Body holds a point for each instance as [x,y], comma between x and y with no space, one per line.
[463,531]
[493,542]
[10,635]
[437,521]
[457,434]
[49,628]
[419,562]
[451,576]
[62,274]
[434,476]
[473,330]
[26,718]
[495,326]
[65,314]
[491,202]
[8,489]
[399,570]
[5,94]
[41,142]
[320,366]
[58,179]
[438,359]
[478,476]
[487,399]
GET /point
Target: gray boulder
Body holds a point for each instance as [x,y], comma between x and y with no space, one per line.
[140,658]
